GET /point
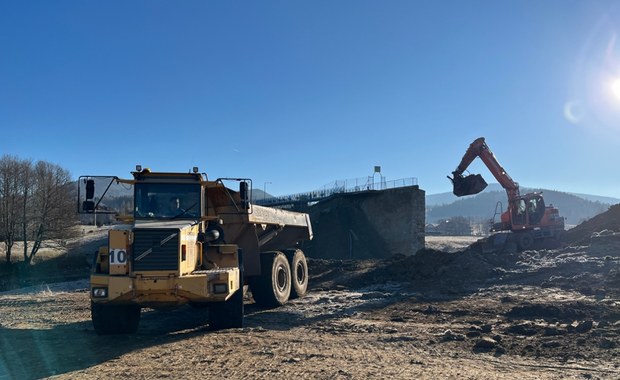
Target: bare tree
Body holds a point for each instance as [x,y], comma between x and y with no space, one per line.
[50,206]
[25,190]
[9,202]
[36,203]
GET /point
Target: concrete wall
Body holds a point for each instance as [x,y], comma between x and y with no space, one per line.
[369,224]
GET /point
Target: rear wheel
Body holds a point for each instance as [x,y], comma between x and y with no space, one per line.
[299,272]
[115,319]
[273,287]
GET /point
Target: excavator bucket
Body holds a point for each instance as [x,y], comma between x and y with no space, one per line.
[472,184]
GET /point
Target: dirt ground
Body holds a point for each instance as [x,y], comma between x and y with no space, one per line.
[449,243]
[449,313]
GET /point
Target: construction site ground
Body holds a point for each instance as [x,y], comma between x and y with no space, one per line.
[450,313]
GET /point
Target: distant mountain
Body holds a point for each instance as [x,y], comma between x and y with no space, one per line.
[482,206]
[598,198]
[258,195]
[440,199]
[447,198]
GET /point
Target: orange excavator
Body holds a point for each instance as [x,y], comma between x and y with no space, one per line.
[527,216]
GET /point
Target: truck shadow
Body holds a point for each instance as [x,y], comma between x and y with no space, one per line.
[33,353]
[37,353]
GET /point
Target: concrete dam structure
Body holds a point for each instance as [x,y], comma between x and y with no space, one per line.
[368,224]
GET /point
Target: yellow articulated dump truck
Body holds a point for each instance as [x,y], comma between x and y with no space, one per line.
[187,240]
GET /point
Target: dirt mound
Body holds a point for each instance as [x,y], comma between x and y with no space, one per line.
[448,271]
[467,271]
[580,235]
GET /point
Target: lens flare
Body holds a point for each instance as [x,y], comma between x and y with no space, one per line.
[573,112]
[615,87]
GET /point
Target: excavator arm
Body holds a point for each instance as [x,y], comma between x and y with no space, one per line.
[474,183]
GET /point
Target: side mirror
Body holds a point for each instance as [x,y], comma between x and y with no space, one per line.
[244,194]
[90,189]
[88,201]
[88,206]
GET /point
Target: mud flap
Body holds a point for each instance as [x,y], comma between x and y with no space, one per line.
[229,314]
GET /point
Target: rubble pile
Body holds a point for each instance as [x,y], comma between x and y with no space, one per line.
[581,234]
[590,271]
[448,271]
[605,244]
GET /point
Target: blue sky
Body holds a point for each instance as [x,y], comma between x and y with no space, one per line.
[298,94]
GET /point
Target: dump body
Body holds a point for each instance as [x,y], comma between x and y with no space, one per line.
[265,229]
[189,240]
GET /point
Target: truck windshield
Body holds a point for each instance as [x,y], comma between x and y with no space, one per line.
[167,201]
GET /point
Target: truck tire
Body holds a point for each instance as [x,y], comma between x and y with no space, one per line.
[273,287]
[299,272]
[227,315]
[525,240]
[115,319]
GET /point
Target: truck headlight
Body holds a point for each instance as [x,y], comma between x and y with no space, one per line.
[220,288]
[100,292]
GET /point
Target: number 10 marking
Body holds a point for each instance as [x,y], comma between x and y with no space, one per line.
[118,256]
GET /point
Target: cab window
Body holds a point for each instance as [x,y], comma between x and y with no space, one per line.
[167,201]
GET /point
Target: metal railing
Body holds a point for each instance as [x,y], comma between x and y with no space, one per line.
[338,187]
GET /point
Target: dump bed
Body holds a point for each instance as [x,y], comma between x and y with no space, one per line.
[264,229]
[291,226]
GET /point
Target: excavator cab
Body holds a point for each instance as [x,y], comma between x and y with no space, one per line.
[472,184]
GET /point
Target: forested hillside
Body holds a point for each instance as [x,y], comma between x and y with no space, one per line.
[482,206]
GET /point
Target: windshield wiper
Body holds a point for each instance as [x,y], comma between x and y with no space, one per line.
[185,211]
